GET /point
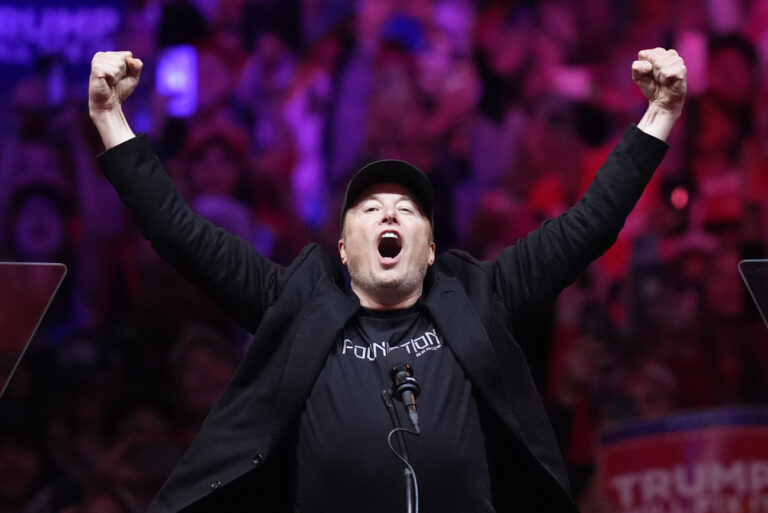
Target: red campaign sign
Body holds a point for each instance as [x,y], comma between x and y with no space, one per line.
[704,462]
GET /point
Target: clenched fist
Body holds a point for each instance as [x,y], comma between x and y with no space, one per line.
[114,76]
[661,76]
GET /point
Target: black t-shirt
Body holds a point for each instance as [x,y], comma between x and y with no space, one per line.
[343,460]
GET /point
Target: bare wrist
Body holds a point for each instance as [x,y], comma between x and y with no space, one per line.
[105,115]
[112,125]
[658,121]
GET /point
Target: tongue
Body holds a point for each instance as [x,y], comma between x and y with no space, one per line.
[389,247]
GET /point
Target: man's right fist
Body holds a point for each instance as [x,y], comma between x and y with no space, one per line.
[114,76]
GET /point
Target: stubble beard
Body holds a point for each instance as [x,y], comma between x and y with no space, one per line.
[392,289]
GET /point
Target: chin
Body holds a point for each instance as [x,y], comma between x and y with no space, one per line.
[386,280]
[389,284]
[389,281]
[405,283]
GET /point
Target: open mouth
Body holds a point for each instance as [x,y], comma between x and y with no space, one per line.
[389,245]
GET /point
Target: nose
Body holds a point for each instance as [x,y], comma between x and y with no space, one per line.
[389,215]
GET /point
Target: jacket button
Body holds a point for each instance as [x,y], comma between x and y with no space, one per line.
[215,484]
[257,459]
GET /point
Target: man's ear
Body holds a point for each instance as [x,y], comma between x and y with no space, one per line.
[431,259]
[342,252]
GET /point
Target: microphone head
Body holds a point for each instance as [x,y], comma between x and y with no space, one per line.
[400,369]
[403,380]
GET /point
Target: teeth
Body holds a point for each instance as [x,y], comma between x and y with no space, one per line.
[389,235]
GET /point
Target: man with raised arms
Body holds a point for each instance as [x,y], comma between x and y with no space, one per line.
[301,426]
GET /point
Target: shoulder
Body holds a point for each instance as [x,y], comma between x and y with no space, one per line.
[463,273]
[458,262]
[314,262]
[475,276]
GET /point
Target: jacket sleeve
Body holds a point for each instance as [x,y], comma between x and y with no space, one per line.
[228,269]
[533,271]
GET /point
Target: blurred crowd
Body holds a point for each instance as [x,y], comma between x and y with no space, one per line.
[509,106]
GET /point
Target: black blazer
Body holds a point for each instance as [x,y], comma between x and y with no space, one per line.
[241,459]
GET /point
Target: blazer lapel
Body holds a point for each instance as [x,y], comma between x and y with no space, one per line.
[329,311]
[457,321]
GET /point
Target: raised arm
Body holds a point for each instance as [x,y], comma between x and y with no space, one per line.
[533,271]
[227,268]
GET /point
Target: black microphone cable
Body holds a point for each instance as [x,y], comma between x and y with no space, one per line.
[406,389]
[411,493]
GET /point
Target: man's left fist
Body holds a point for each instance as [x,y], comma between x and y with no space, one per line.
[661,76]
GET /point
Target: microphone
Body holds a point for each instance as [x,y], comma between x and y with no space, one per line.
[407,389]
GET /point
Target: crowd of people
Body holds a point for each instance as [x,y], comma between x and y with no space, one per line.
[509,107]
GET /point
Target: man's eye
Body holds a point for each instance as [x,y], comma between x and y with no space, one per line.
[370,209]
[406,210]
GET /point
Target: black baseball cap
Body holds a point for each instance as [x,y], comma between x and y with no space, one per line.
[391,171]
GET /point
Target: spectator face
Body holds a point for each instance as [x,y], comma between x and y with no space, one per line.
[215,173]
[40,164]
[650,397]
[202,377]
[718,130]
[214,79]
[39,232]
[386,243]
[724,288]
[730,76]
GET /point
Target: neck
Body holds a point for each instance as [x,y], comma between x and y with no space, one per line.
[386,299]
